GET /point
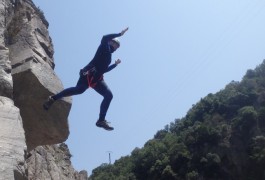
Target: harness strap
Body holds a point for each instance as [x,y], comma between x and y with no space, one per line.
[92,82]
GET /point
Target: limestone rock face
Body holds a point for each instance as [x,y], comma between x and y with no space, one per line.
[6,83]
[33,83]
[52,162]
[27,79]
[31,56]
[12,141]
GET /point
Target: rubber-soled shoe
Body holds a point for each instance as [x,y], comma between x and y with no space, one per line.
[48,103]
[104,124]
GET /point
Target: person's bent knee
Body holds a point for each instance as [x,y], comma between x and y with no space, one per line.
[109,96]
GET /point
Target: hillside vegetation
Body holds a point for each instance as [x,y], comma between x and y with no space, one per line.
[221,137]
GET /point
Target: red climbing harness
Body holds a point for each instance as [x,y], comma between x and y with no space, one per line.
[92,79]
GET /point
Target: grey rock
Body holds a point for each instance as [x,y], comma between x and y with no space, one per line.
[31,56]
[83,175]
[33,83]
[27,35]
[27,79]
[12,141]
[52,162]
[6,83]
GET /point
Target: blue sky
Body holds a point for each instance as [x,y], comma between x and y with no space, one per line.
[175,52]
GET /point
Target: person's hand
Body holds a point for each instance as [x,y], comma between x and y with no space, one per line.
[118,61]
[123,31]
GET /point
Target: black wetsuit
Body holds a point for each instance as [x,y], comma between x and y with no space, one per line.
[99,65]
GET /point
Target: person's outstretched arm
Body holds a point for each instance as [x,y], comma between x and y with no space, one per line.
[118,61]
[109,37]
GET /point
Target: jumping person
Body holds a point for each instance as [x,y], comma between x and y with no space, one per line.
[92,76]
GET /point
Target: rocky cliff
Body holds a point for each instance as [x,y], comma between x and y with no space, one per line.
[52,162]
[27,78]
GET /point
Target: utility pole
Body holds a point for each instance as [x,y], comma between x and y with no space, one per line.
[109,152]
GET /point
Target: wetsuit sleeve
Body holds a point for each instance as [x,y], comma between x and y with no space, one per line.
[111,67]
[109,37]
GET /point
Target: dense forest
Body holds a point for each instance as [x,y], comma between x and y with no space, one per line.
[221,137]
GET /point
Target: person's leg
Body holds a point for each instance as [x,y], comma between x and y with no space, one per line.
[103,89]
[80,87]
